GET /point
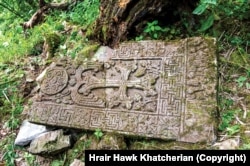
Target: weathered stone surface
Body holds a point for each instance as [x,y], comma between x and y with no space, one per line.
[50,143]
[77,163]
[103,53]
[229,144]
[43,161]
[29,131]
[111,141]
[150,88]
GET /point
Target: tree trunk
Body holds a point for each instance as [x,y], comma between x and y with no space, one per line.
[122,19]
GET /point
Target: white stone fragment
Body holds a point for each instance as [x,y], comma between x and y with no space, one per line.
[29,131]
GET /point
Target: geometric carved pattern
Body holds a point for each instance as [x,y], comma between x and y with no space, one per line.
[144,89]
[55,81]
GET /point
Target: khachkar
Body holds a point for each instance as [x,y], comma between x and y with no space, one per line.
[150,88]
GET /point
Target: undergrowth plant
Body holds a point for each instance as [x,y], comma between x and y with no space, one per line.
[228,122]
[206,6]
[18,8]
[228,21]
[57,163]
[225,20]
[10,154]
[10,97]
[85,12]
[11,102]
[244,80]
[15,43]
[30,159]
[217,10]
[155,31]
[98,133]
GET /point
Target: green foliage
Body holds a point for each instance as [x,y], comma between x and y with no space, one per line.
[77,151]
[241,81]
[9,41]
[225,104]
[138,38]
[53,40]
[18,8]
[245,146]
[87,144]
[227,118]
[57,163]
[153,29]
[202,7]
[85,12]
[13,43]
[231,130]
[98,133]
[10,100]
[244,80]
[171,33]
[218,10]
[29,158]
[227,122]
[204,4]
[11,105]
[16,109]
[9,155]
[228,21]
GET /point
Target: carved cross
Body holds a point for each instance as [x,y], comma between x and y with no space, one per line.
[122,82]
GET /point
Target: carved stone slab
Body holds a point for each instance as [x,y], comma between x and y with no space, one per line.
[155,89]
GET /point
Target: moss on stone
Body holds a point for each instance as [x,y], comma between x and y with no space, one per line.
[239,59]
[104,32]
[165,145]
[52,40]
[112,141]
[77,151]
[86,53]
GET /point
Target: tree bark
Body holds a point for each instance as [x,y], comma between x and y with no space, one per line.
[120,19]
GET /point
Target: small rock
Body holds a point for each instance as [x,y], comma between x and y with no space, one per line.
[30,76]
[229,144]
[50,143]
[104,53]
[20,162]
[30,79]
[29,131]
[77,163]
[42,161]
[112,142]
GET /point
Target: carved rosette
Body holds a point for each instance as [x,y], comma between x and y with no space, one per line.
[56,79]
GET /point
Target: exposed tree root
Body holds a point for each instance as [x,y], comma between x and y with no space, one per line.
[39,15]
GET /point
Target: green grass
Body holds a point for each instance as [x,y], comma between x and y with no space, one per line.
[11,106]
